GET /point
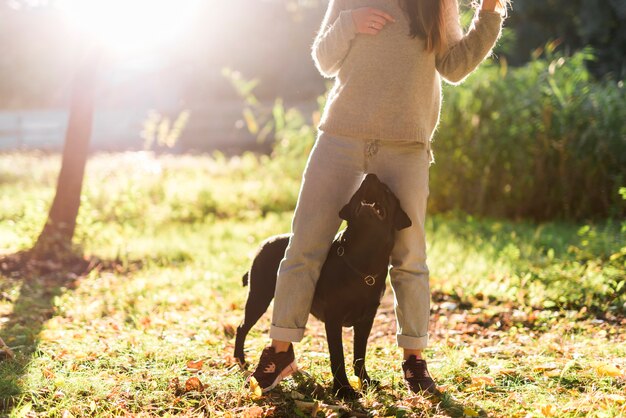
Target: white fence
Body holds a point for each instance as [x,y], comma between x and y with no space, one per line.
[213,127]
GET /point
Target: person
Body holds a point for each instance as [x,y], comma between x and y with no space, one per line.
[387,58]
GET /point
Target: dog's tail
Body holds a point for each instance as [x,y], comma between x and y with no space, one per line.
[244,279]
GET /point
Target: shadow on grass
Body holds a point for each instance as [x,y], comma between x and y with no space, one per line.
[309,396]
[39,283]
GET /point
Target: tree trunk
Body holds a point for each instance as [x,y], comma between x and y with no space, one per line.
[56,236]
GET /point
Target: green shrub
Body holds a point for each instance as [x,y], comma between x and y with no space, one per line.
[540,141]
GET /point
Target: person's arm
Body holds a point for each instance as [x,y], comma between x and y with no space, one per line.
[332,42]
[463,53]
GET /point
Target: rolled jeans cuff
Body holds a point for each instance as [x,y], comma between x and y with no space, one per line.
[293,335]
[412,343]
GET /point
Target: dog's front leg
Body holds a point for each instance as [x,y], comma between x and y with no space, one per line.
[341,386]
[361,333]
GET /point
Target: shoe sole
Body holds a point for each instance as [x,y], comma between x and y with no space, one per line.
[287,371]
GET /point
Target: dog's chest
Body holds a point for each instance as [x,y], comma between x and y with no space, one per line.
[345,294]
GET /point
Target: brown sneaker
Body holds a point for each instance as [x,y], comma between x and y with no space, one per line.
[417,377]
[274,367]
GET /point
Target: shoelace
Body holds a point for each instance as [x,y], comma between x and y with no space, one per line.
[265,356]
[416,370]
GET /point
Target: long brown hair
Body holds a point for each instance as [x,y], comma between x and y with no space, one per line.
[427,22]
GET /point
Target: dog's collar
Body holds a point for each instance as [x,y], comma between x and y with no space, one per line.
[369,279]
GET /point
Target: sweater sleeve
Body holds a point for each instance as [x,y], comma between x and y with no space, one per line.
[465,52]
[333,40]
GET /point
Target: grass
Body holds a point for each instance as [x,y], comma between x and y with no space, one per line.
[527,319]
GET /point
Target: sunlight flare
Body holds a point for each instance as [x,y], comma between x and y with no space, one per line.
[128,26]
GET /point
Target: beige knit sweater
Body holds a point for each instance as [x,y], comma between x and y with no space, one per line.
[387,86]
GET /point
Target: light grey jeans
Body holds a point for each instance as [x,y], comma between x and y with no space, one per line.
[334,171]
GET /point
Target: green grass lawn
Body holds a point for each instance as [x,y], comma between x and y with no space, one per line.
[527,319]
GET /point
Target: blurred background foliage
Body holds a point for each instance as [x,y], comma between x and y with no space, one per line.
[539,141]
[576,24]
[538,132]
[270,40]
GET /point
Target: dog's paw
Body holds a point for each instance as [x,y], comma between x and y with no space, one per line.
[346,393]
[243,365]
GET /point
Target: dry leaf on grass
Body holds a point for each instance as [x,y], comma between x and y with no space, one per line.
[416,401]
[546,366]
[194,366]
[316,406]
[229,330]
[48,374]
[355,382]
[194,384]
[607,370]
[254,388]
[548,410]
[470,412]
[553,373]
[253,412]
[483,381]
[507,372]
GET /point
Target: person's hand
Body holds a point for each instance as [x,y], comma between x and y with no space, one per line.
[494,5]
[369,20]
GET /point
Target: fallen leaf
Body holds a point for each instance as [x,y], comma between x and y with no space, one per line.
[355,382]
[507,372]
[608,370]
[545,366]
[253,412]
[444,388]
[255,389]
[193,384]
[470,412]
[194,366]
[553,373]
[229,330]
[310,406]
[48,374]
[483,381]
[230,360]
[416,401]
[548,410]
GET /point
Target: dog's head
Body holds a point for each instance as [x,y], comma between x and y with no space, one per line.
[375,207]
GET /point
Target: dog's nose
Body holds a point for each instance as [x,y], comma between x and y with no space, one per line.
[371,176]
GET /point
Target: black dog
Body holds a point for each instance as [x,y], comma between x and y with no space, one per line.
[351,282]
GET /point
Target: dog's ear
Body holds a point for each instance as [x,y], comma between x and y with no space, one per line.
[401,220]
[344,213]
